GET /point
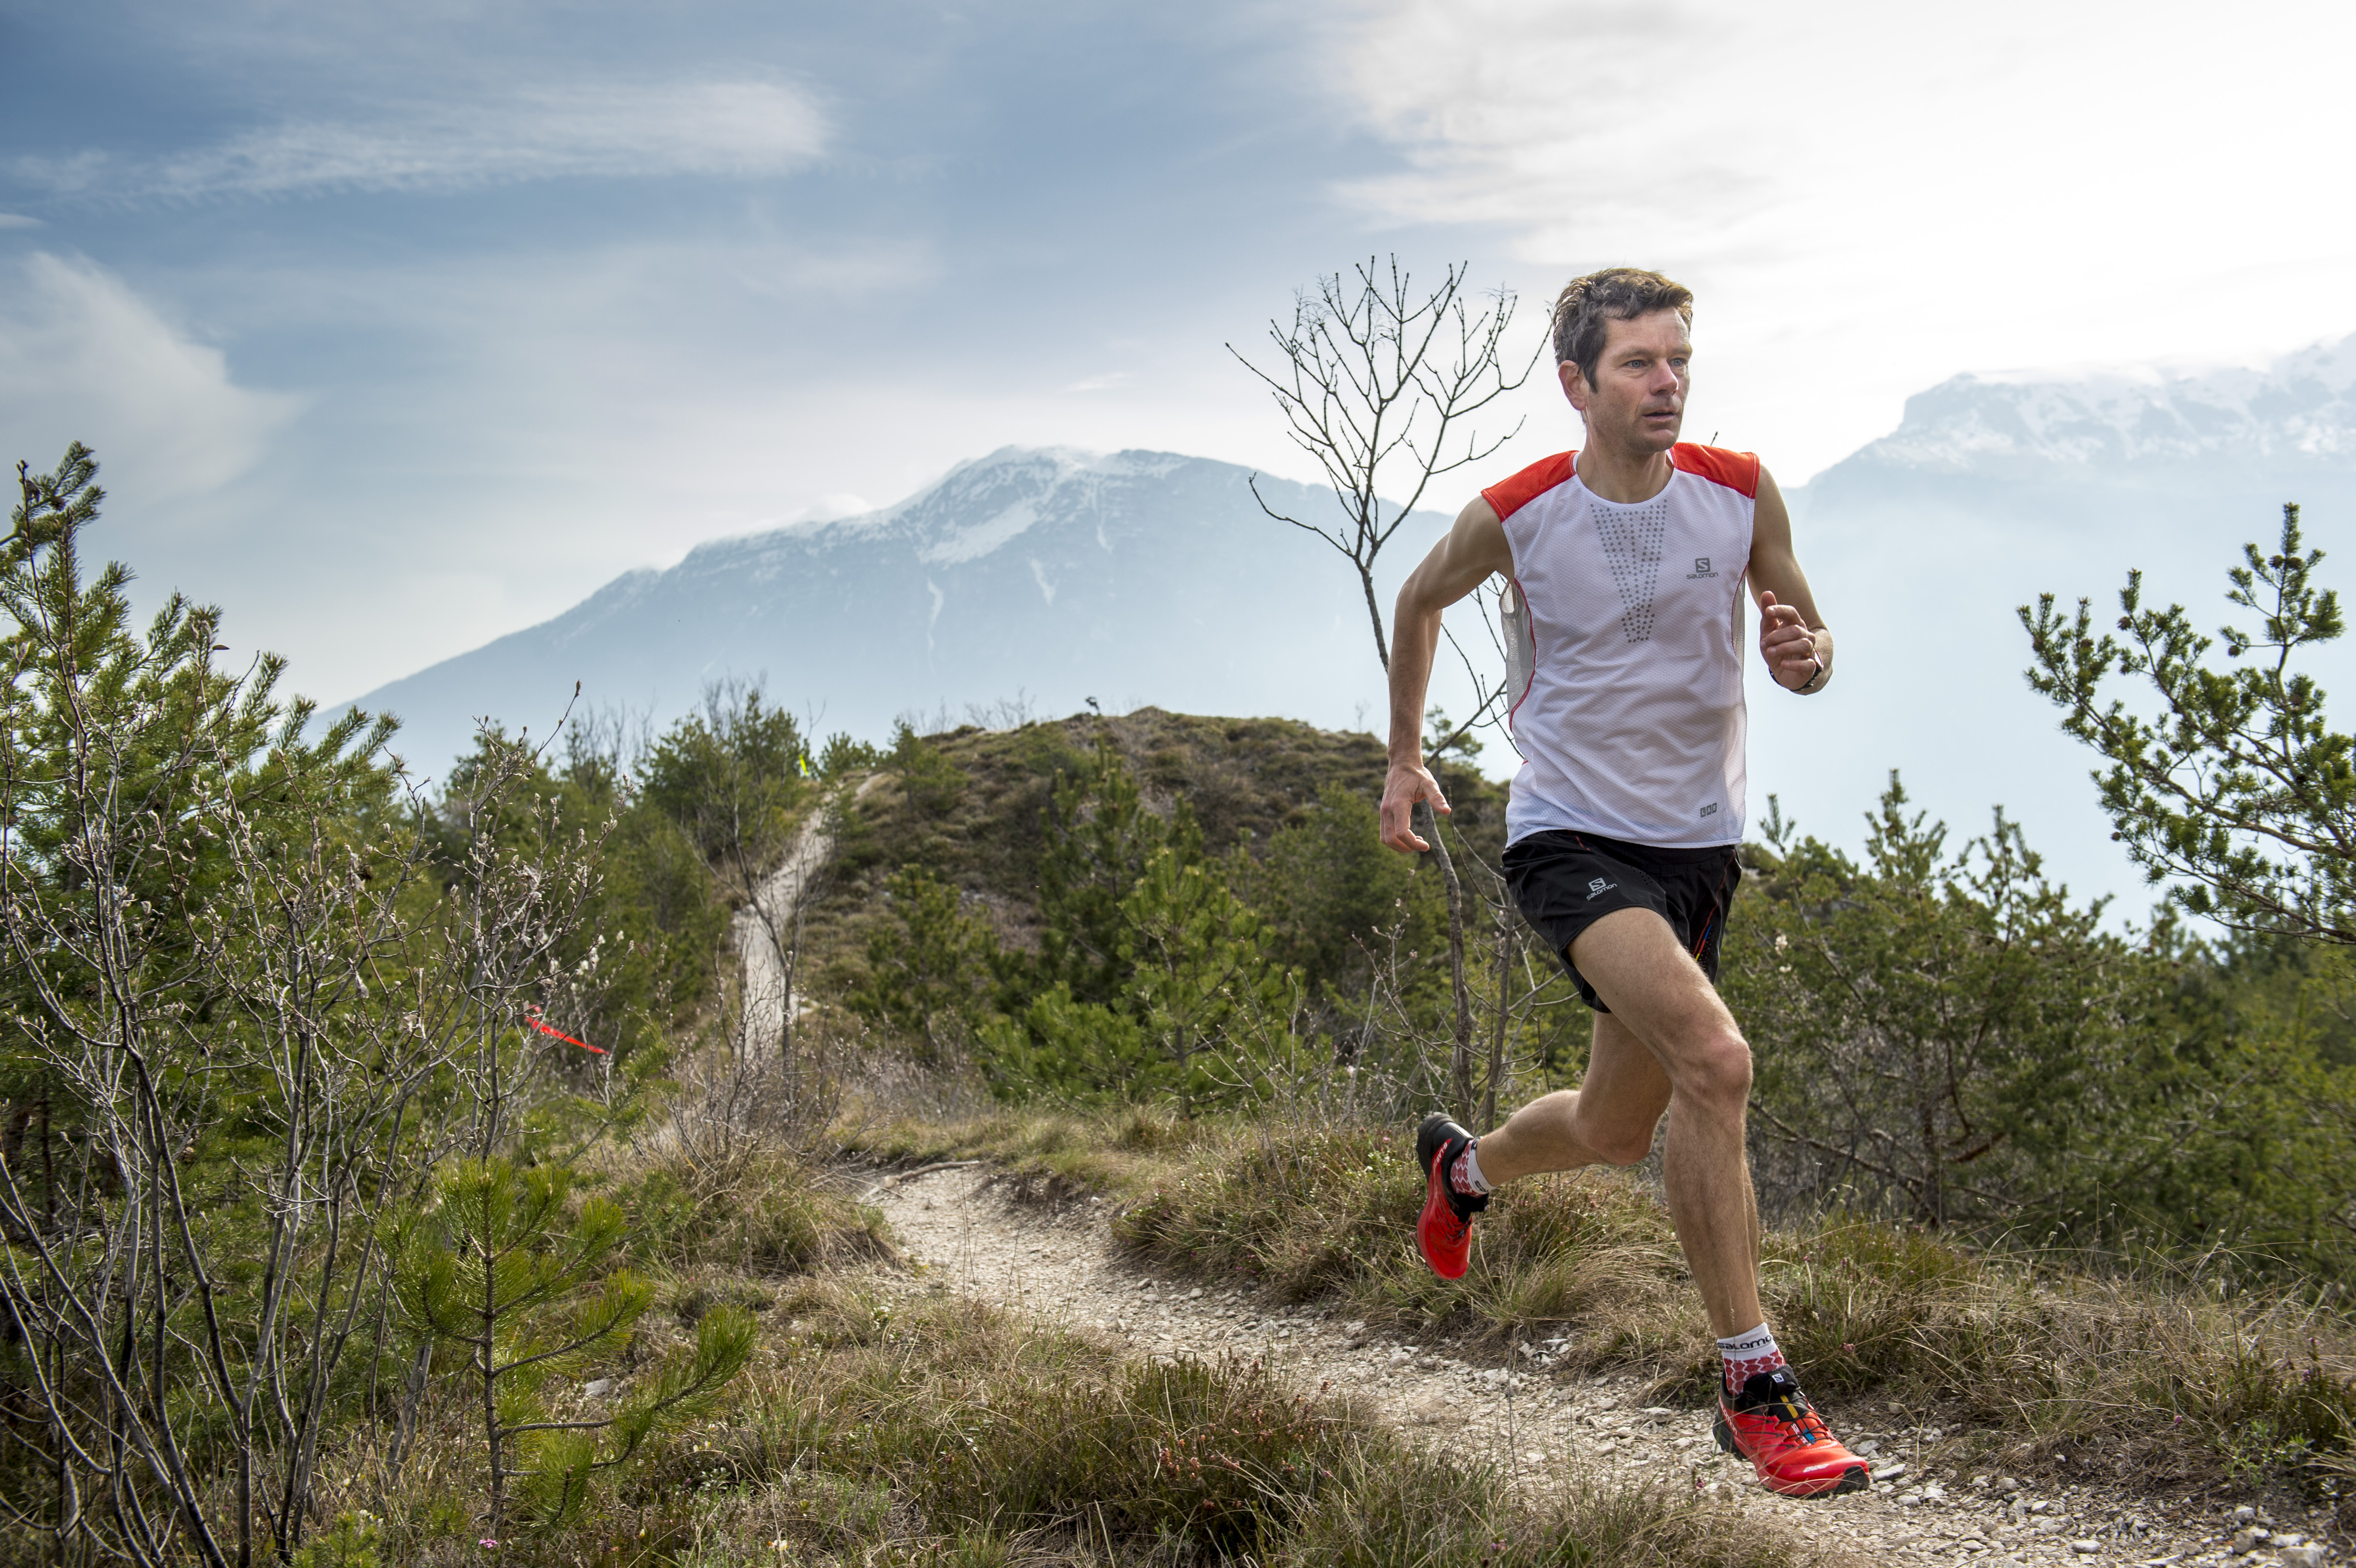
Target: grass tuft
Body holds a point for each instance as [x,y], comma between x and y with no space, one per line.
[959,1435]
[753,1210]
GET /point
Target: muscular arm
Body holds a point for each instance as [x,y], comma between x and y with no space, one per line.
[1791,635]
[1475,548]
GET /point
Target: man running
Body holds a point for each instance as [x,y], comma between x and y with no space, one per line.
[1627,562]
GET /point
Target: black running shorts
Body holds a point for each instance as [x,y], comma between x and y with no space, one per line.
[1564,882]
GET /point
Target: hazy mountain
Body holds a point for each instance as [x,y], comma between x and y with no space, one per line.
[1049,575]
[1921,544]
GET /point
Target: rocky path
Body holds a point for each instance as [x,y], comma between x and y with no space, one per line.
[1058,1264]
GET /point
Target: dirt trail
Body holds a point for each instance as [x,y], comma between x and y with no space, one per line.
[764,927]
[1058,1264]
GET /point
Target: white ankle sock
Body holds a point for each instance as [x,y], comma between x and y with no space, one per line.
[1746,1355]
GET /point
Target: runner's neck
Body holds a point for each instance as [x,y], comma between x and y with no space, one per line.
[1626,477]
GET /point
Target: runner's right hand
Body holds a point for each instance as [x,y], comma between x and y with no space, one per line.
[1407,784]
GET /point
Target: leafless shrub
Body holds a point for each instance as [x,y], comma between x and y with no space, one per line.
[1006,713]
[246,1018]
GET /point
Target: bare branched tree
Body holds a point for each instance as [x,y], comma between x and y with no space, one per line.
[1375,383]
[1378,382]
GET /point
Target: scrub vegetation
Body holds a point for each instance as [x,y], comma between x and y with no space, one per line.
[400,1175]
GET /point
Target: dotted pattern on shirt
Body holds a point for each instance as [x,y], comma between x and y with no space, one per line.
[1631,538]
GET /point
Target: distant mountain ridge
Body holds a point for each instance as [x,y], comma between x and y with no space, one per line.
[2300,407]
[1043,574]
[1151,577]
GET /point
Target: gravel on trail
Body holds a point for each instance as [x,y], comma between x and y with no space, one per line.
[966,1232]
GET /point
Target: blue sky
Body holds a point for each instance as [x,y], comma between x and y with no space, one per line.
[400,328]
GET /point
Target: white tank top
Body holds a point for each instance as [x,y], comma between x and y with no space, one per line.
[1623,638]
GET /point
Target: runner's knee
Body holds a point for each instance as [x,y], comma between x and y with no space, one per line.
[1718,1076]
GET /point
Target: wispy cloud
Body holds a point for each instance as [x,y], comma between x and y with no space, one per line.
[17,220]
[719,128]
[83,356]
[1104,383]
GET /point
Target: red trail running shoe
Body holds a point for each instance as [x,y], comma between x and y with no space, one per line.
[1444,1232]
[1771,1424]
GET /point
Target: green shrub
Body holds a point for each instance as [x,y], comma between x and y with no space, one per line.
[350,1543]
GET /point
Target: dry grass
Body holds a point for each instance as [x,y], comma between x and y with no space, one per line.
[2051,1361]
[743,1206]
[871,1430]
[1116,1152]
[946,1432]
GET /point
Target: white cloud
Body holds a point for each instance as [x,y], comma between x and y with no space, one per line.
[18,221]
[734,129]
[1870,198]
[84,358]
[1104,383]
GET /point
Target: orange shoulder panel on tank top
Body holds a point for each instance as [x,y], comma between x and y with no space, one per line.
[1510,496]
[1738,470]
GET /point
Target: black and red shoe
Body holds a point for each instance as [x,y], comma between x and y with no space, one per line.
[1771,1424]
[1444,1231]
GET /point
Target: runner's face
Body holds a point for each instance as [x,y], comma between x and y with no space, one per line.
[1638,401]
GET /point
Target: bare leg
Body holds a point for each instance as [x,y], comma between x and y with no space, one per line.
[1668,1040]
[1607,1120]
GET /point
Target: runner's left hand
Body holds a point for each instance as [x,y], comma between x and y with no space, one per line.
[1786,644]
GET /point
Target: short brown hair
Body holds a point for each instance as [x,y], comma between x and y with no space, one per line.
[1586,306]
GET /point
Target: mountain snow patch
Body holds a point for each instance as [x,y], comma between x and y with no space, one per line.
[978,540]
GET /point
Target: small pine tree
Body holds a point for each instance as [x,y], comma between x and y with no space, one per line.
[932,781]
[929,966]
[501,1264]
[1202,982]
[2237,793]
[352,1541]
[1101,838]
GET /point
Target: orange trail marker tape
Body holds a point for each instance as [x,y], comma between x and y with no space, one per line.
[532,1017]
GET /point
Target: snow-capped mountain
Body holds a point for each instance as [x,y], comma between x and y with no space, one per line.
[2301,407]
[1045,574]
